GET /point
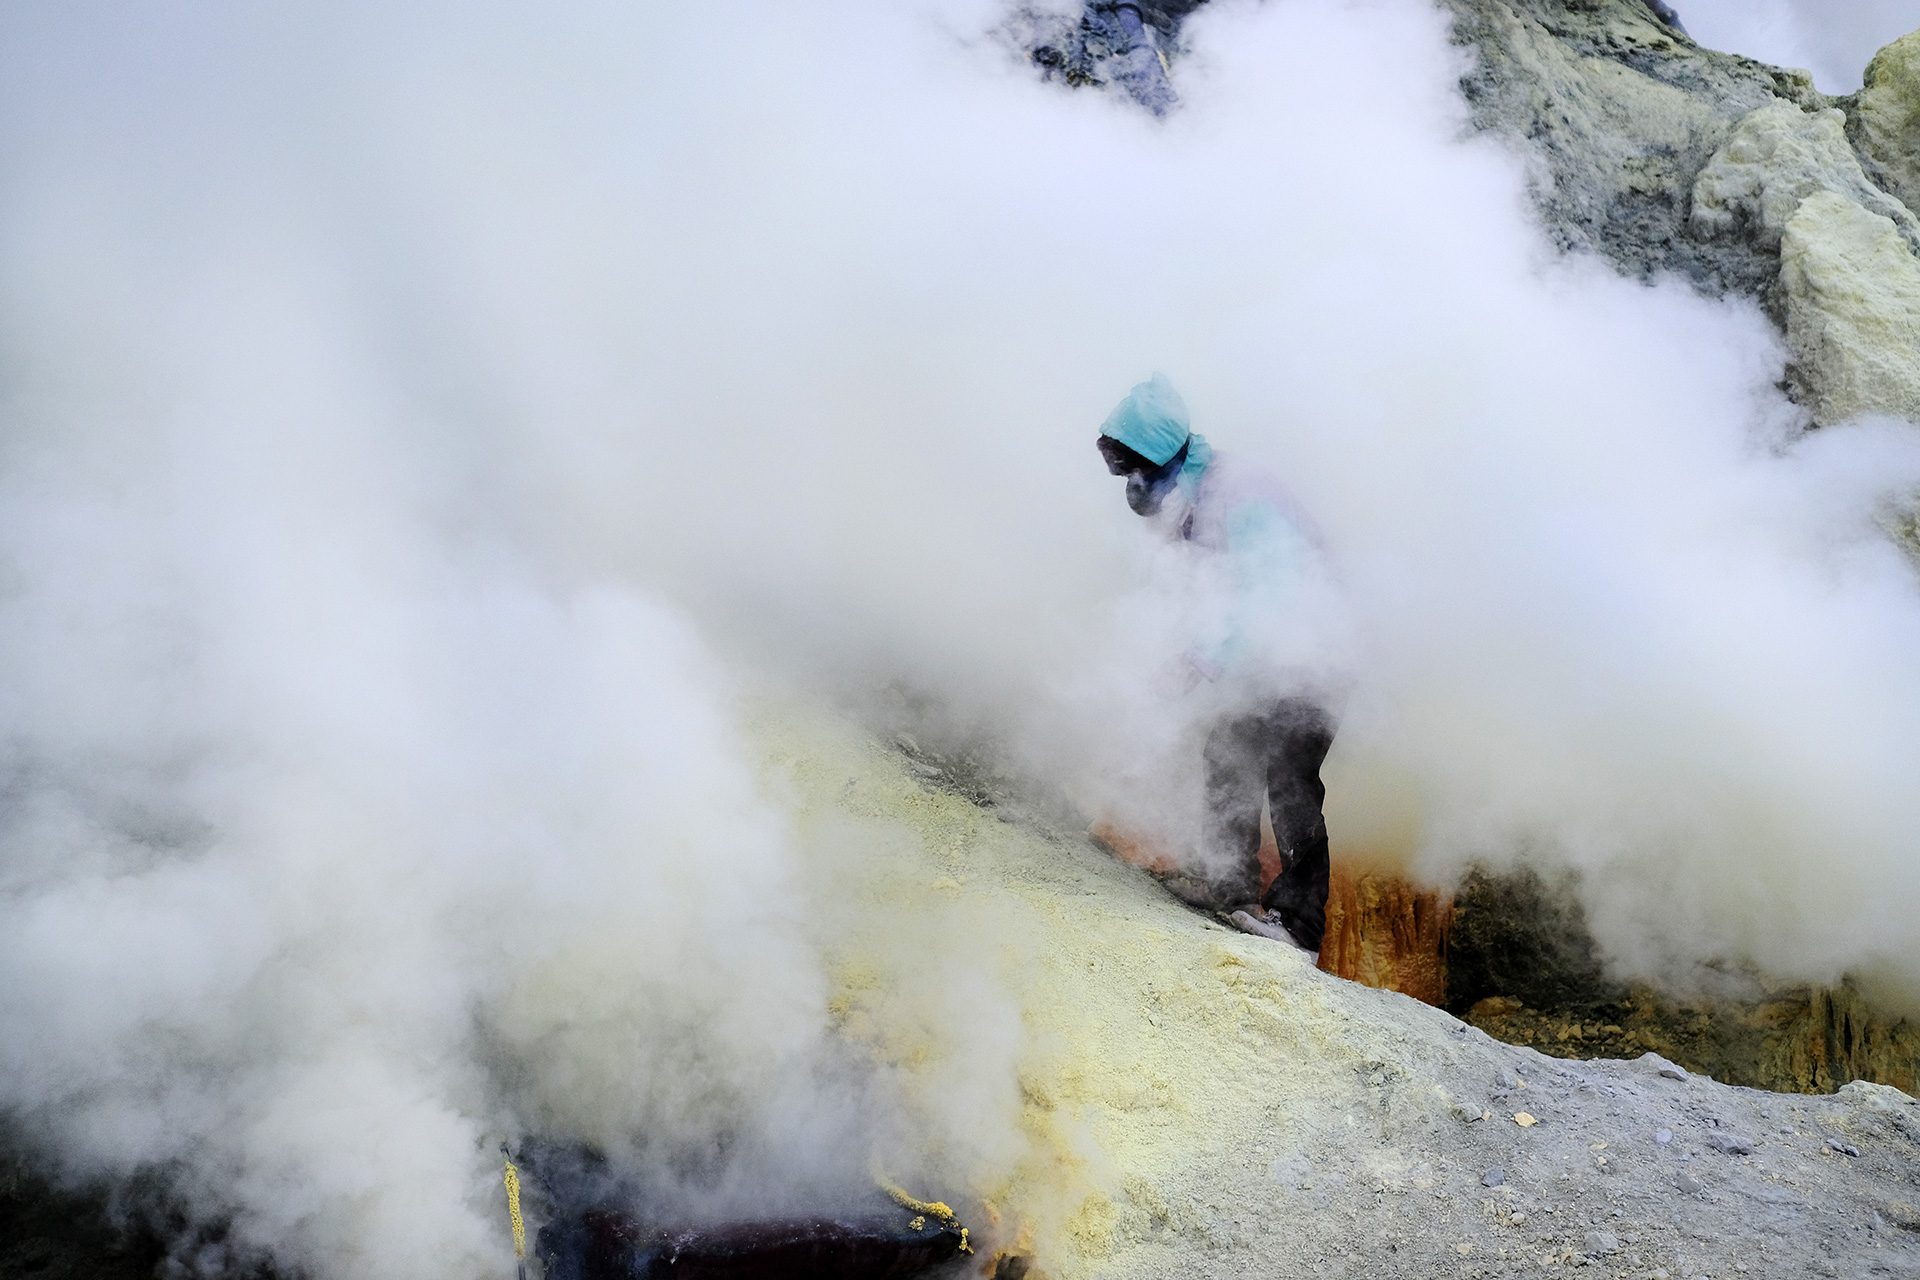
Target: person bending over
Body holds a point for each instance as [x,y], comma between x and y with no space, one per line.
[1276,728]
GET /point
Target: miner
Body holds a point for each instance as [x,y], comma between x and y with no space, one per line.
[1260,652]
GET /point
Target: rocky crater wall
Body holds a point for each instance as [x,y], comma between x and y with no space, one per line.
[1670,159]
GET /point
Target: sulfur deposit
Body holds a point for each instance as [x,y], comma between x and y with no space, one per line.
[1885,118]
[1125,1089]
[1853,308]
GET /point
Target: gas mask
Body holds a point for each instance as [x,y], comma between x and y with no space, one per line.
[1147,485]
[1147,490]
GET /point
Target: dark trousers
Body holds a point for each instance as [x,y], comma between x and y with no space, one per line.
[1273,756]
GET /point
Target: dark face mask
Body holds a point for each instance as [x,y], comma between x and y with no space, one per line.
[1147,490]
[1147,485]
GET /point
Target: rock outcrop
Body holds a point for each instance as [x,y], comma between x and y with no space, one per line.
[1672,159]
[1620,113]
[1804,1039]
[1789,181]
[1853,309]
[1885,119]
[1664,157]
[1512,955]
[1669,158]
[1776,157]
[1522,936]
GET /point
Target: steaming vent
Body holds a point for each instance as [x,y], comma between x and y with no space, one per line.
[599,1225]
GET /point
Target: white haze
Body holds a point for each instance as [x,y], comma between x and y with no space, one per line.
[1834,39]
[413,419]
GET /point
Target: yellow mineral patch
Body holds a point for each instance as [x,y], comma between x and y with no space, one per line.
[1071,1045]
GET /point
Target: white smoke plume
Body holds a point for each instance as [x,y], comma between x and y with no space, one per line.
[415,419]
[336,849]
[1834,41]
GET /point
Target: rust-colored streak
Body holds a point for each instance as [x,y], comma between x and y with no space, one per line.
[1384,931]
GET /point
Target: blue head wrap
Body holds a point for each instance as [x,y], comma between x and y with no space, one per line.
[1151,421]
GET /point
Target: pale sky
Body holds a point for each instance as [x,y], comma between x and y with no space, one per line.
[1832,38]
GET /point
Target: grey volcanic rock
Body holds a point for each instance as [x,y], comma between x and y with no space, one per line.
[1121,46]
[55,1233]
[1789,180]
[1519,936]
[1666,157]
[1621,114]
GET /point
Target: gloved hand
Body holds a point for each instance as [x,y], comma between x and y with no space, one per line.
[1186,673]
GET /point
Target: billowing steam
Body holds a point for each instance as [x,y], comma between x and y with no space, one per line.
[337,844]
[416,420]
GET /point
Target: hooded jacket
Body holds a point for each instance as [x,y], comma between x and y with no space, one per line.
[1271,556]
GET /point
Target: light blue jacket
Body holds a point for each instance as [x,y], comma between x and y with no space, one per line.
[1226,506]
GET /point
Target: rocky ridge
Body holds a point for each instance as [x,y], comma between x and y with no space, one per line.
[1668,158]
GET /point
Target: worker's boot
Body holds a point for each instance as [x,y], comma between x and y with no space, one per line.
[1207,894]
[1265,924]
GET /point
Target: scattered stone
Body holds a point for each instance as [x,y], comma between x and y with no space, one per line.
[1519,1217]
[1506,1080]
[1689,1184]
[1663,1136]
[1844,1148]
[1730,1144]
[1670,1070]
[1602,1243]
[1493,1177]
[1524,1120]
